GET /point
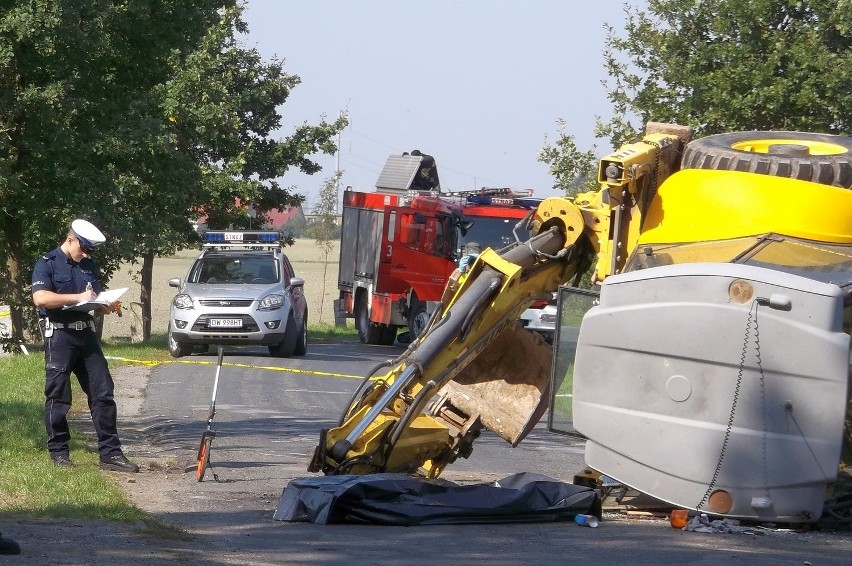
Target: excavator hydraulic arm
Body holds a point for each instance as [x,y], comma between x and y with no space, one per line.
[387,426]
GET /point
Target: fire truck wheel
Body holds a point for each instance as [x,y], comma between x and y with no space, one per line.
[368,332]
[418,319]
[819,158]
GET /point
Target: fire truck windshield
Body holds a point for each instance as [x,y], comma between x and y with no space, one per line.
[493,233]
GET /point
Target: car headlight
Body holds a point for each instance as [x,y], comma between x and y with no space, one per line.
[271,302]
[182,301]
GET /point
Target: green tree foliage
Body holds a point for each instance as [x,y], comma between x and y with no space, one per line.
[224,103]
[725,65]
[76,119]
[137,115]
[574,171]
[729,65]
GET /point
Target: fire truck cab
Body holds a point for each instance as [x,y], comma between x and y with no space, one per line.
[401,243]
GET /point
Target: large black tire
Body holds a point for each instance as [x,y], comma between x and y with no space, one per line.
[417,318]
[819,158]
[177,349]
[368,332]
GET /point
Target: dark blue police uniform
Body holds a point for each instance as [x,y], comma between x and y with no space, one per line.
[73,346]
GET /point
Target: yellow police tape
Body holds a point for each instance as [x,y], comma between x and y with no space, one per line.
[231,364]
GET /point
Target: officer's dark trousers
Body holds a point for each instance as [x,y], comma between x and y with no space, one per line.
[80,352]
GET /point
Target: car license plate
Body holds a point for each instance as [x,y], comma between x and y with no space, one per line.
[225,322]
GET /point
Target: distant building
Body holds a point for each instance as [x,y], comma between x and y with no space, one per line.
[279,219]
[276,219]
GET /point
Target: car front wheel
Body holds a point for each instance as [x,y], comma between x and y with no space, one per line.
[177,349]
[302,340]
[287,346]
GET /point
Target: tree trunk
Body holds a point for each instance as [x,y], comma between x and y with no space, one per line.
[13,233]
[147,276]
[324,278]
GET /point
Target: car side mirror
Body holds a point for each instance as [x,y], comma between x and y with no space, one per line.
[297,282]
[174,282]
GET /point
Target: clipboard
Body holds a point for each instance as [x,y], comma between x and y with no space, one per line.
[103,299]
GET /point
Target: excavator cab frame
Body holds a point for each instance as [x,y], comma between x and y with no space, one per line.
[572,304]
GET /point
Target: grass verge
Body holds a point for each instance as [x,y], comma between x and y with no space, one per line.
[326,331]
[29,483]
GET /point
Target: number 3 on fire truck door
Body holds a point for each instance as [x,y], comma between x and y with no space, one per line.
[389,253]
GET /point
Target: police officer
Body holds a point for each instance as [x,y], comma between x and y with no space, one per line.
[68,276]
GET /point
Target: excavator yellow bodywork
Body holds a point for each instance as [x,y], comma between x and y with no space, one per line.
[474,367]
[753,204]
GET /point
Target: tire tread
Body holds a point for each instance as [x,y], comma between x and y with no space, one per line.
[716,152]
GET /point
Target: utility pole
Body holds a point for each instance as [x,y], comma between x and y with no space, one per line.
[337,179]
[337,202]
[337,174]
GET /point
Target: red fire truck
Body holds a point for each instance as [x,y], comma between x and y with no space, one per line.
[401,243]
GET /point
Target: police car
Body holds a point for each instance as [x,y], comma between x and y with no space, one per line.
[241,290]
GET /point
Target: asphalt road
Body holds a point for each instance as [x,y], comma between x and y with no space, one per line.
[269,414]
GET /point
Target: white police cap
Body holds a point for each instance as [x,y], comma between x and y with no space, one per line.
[88,234]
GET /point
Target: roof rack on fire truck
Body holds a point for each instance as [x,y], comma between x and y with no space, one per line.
[486,196]
[247,239]
[499,197]
[483,197]
[491,192]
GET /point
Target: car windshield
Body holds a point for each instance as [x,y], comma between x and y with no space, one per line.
[221,269]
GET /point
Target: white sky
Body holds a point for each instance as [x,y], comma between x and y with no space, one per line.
[478,84]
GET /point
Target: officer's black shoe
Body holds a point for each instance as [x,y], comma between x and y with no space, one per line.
[118,464]
[9,546]
[62,461]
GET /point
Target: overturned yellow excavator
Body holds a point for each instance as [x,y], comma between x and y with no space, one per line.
[741,205]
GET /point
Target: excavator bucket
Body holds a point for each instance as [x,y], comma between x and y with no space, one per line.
[506,385]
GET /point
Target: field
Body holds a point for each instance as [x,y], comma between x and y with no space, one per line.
[306,257]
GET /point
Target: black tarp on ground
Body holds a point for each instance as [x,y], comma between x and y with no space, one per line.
[399,499]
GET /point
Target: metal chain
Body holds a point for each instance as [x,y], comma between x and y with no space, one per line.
[752,315]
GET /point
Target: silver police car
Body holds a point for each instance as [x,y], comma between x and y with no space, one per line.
[241,290]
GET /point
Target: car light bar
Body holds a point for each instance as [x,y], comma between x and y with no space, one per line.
[247,237]
[504,201]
